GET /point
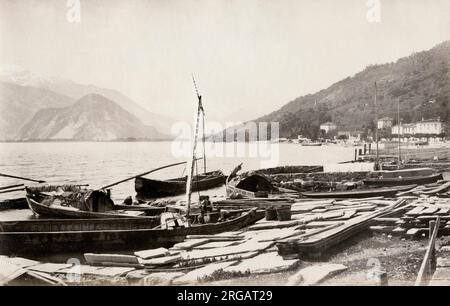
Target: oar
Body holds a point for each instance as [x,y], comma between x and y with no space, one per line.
[11,186]
[12,190]
[21,178]
[145,173]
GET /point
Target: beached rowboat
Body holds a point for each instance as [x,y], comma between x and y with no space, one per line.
[73,201]
[399,181]
[359,193]
[151,188]
[111,234]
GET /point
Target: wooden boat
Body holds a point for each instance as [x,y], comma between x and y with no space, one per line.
[311,144]
[399,181]
[248,186]
[86,235]
[359,193]
[73,201]
[17,203]
[401,177]
[151,188]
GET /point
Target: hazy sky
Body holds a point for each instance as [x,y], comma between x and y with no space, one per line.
[249,57]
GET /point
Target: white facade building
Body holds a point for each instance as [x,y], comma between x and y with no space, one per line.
[432,126]
[385,122]
[424,127]
[328,127]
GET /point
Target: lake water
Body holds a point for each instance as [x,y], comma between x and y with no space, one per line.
[101,163]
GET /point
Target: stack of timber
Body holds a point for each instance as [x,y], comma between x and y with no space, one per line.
[327,224]
[412,220]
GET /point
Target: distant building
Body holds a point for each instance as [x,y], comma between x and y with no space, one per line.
[424,127]
[408,129]
[328,127]
[301,139]
[385,122]
[431,127]
[351,136]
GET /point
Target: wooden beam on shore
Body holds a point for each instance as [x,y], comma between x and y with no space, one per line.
[425,268]
[142,174]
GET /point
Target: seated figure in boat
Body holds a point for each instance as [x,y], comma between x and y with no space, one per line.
[205,204]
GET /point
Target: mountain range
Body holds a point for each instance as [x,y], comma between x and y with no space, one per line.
[420,83]
[93,117]
[26,97]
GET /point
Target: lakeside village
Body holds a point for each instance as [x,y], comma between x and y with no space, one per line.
[288,225]
[422,133]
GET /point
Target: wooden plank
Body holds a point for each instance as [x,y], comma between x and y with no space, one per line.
[413,232]
[19,261]
[273,235]
[385,220]
[429,211]
[264,263]
[162,260]
[79,269]
[443,211]
[152,253]
[415,211]
[246,247]
[189,244]
[441,188]
[262,225]
[218,237]
[313,275]
[111,271]
[316,224]
[9,272]
[215,244]
[94,259]
[49,267]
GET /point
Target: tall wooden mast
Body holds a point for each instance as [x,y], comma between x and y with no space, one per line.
[191,163]
[398,127]
[377,161]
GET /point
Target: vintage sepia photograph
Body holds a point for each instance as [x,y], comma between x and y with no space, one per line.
[224,144]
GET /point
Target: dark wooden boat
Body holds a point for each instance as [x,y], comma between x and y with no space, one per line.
[150,188]
[73,201]
[18,203]
[248,186]
[359,193]
[399,181]
[311,144]
[110,234]
[401,177]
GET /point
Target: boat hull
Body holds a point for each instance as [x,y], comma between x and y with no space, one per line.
[46,211]
[419,180]
[149,188]
[359,193]
[68,240]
